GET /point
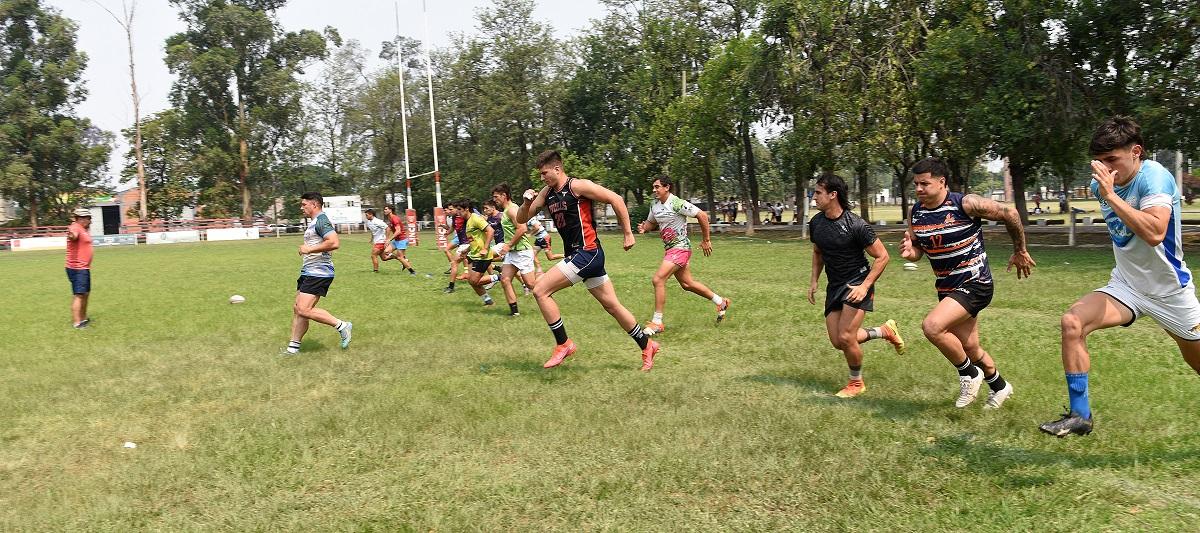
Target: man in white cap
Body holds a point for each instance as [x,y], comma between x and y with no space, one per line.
[79,266]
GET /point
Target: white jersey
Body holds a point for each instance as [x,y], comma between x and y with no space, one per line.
[1154,270]
[671,217]
[378,230]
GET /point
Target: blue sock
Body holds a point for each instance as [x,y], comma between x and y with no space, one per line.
[1077,388]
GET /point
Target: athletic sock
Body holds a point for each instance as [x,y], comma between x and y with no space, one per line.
[717,299]
[657,318]
[495,278]
[559,331]
[340,325]
[995,382]
[411,271]
[512,308]
[967,369]
[293,347]
[1077,389]
[639,336]
[855,372]
[874,333]
[451,285]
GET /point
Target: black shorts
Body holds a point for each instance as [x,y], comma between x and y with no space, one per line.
[313,285]
[542,243]
[480,266]
[972,295]
[835,298]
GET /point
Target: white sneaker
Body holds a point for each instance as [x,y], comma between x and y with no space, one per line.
[996,398]
[344,333]
[488,286]
[968,389]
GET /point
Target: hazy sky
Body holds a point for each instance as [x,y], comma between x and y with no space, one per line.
[368,21]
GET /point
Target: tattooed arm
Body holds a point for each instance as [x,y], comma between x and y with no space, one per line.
[978,206]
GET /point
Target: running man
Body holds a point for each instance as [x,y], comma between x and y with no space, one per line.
[378,238]
[946,226]
[570,202]
[839,239]
[668,214]
[515,247]
[79,266]
[541,243]
[479,252]
[398,242]
[316,274]
[460,243]
[1140,204]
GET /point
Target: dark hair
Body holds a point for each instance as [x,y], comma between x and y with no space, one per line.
[835,184]
[393,209]
[464,203]
[547,158]
[1116,132]
[932,166]
[491,203]
[371,212]
[665,180]
[504,188]
[314,196]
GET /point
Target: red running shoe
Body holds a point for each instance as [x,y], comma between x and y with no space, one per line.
[648,355]
[562,351]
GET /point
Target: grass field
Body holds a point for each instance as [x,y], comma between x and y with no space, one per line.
[440,417]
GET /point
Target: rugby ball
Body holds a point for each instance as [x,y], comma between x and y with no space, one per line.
[237,299]
[910,266]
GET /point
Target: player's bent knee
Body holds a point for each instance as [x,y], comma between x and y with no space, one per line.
[932,329]
[1072,325]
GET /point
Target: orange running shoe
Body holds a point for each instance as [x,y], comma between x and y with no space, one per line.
[562,351]
[892,334]
[648,355]
[721,309]
[852,389]
[654,328]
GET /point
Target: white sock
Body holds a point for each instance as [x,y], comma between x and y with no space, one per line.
[340,325]
[717,299]
[293,347]
[657,318]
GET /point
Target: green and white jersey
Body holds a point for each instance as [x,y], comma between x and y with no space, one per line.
[320,264]
[671,217]
[510,229]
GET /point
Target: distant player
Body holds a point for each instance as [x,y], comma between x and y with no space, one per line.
[515,247]
[457,224]
[316,274]
[398,241]
[79,266]
[1140,204]
[946,226]
[570,203]
[479,253]
[542,242]
[839,238]
[669,215]
[378,237]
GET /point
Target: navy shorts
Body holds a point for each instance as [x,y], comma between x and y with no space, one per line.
[313,285]
[480,266]
[81,280]
[972,295]
[586,266]
[542,243]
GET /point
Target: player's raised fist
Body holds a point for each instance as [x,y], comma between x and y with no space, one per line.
[529,195]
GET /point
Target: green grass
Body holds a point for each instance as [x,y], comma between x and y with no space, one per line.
[440,417]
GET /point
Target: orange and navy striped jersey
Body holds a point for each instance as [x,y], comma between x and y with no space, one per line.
[573,218]
[953,240]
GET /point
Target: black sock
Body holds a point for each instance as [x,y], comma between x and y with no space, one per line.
[855,371]
[411,271]
[451,284]
[639,336]
[996,383]
[559,331]
[967,369]
[512,308]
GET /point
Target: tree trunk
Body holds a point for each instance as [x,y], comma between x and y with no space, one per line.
[143,211]
[1070,215]
[244,168]
[864,190]
[33,209]
[751,177]
[1019,173]
[708,189]
[901,179]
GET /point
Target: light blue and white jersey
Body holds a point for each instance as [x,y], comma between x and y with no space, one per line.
[378,229]
[320,264]
[1153,270]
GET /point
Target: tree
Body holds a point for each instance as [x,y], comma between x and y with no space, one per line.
[166,166]
[237,82]
[47,153]
[126,23]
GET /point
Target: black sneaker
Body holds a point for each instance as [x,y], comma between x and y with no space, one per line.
[447,271]
[448,290]
[1068,424]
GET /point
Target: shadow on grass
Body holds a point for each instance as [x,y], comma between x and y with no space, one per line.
[822,390]
[1009,465]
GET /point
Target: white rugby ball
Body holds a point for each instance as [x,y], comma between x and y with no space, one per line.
[237,299]
[910,266]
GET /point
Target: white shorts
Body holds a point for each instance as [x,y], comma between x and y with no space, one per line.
[521,259]
[1178,313]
